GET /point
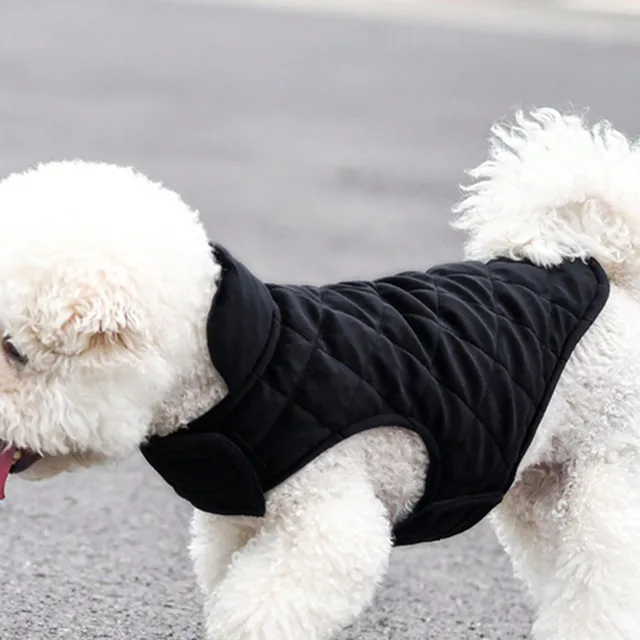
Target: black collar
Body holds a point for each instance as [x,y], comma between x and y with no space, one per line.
[206,463]
[242,330]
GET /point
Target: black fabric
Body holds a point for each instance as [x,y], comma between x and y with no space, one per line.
[465,354]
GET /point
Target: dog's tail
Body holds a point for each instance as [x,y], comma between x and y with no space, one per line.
[553,189]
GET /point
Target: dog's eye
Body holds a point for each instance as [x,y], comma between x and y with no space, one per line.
[12,352]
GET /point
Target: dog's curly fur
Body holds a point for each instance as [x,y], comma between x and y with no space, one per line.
[106,279]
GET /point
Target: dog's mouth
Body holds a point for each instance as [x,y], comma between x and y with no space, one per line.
[14,460]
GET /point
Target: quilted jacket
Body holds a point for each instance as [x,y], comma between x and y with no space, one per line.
[467,355]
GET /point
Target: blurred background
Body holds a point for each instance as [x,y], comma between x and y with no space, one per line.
[320,141]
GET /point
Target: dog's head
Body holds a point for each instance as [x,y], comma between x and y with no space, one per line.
[106,279]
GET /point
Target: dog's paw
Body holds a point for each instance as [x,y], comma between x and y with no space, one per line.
[601,626]
[228,618]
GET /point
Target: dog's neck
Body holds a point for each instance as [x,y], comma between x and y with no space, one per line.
[192,396]
[199,387]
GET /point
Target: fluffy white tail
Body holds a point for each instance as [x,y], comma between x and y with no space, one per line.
[553,189]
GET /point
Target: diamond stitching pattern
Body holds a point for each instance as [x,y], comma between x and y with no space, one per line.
[442,330]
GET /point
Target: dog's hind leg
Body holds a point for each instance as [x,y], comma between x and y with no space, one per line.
[323,549]
[592,591]
[214,540]
[525,524]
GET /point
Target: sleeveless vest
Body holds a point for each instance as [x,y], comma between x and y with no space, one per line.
[466,354]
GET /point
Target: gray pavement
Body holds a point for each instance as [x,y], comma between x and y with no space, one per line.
[317,147]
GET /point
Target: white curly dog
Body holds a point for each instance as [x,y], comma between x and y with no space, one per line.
[106,280]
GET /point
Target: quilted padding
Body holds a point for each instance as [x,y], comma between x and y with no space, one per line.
[465,354]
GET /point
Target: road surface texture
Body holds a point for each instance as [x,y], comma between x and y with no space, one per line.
[317,145]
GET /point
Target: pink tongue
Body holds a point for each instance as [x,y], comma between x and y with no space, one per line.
[6,460]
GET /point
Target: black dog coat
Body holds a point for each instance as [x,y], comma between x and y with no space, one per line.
[467,355]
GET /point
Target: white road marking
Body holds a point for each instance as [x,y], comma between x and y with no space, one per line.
[590,18]
[613,7]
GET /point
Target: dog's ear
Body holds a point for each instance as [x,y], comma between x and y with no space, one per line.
[73,322]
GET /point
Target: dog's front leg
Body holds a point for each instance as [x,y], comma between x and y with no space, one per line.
[594,591]
[323,549]
[214,539]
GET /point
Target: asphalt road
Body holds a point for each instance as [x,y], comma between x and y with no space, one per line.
[317,147]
